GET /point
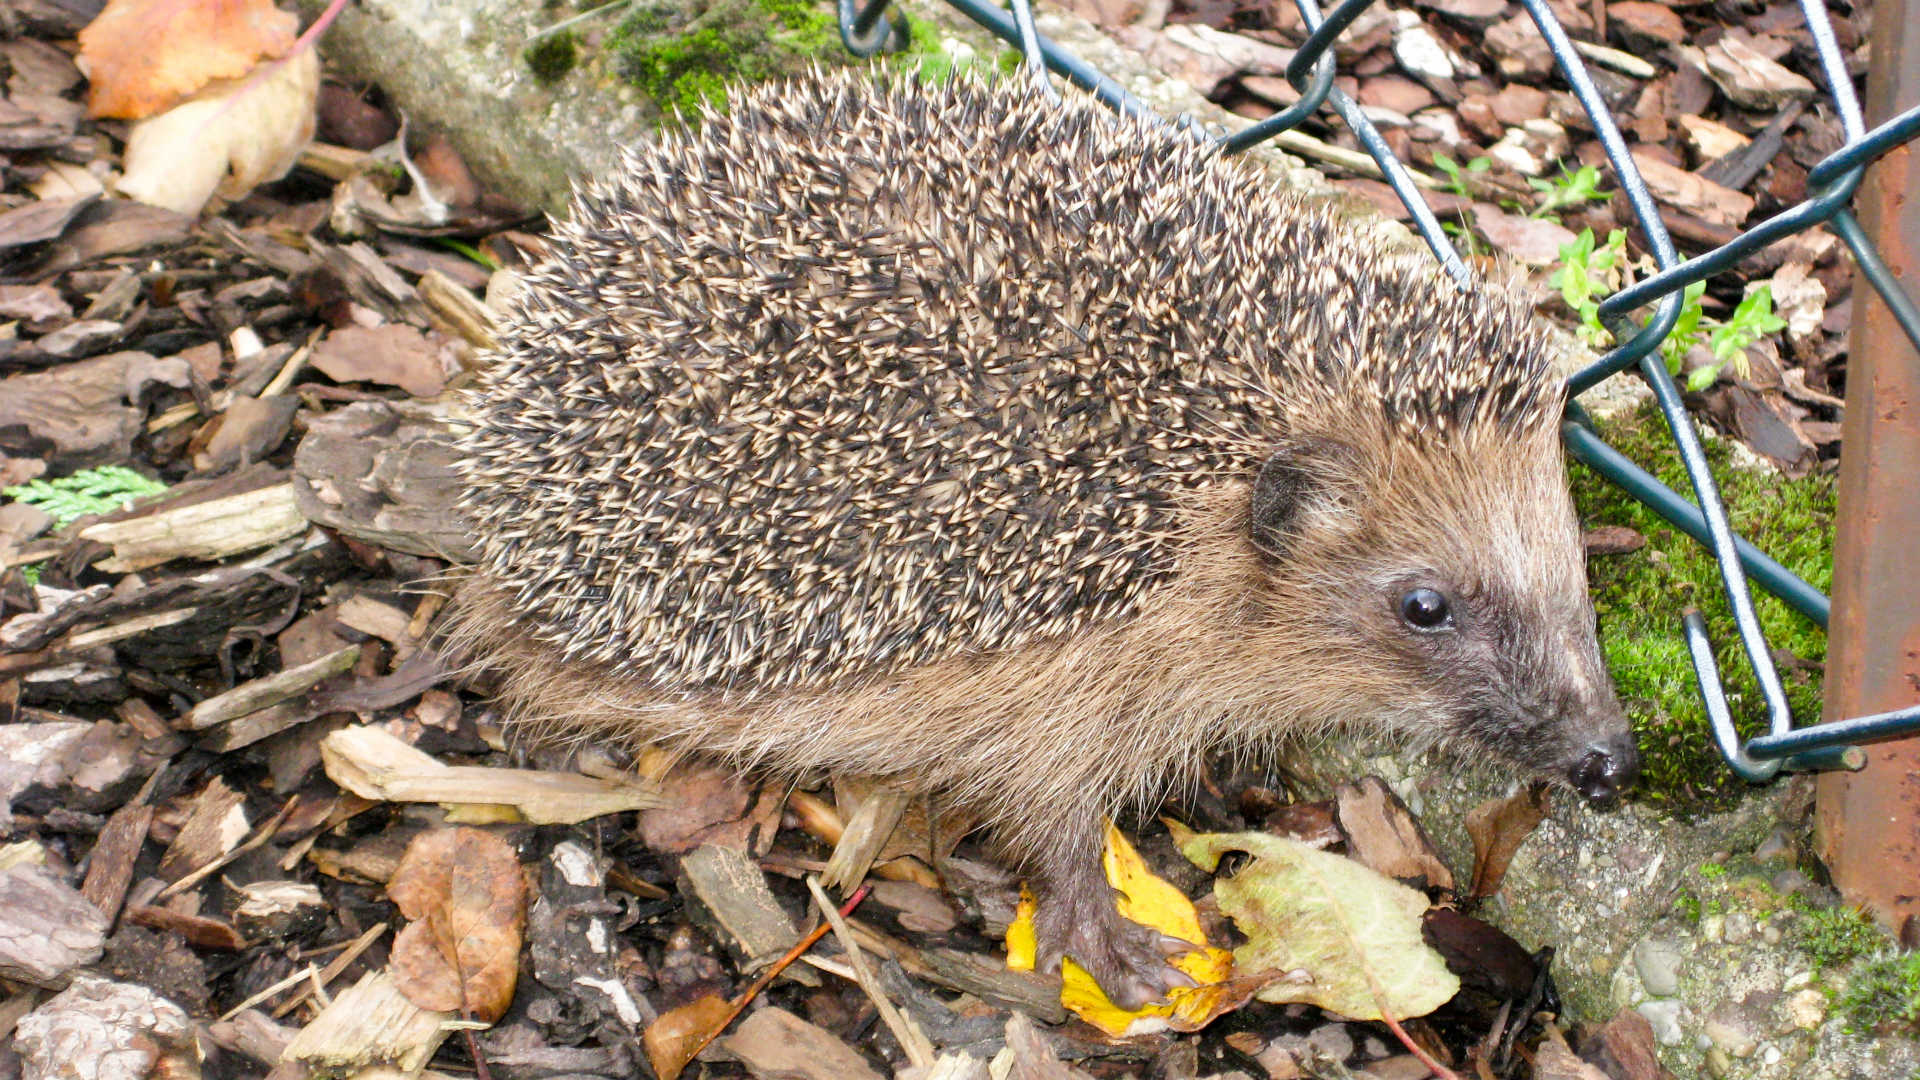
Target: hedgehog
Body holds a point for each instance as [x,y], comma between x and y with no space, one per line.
[1024,457]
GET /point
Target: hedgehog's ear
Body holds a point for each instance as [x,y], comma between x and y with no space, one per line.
[1302,475]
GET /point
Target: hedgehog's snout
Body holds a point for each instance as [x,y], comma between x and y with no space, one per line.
[1607,768]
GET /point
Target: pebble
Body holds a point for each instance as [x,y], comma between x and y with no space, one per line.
[1739,928]
[1795,883]
[1658,962]
[1664,1018]
[1807,1009]
[1730,1037]
[1776,849]
[1419,52]
[1332,1041]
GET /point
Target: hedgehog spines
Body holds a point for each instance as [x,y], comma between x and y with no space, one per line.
[866,374]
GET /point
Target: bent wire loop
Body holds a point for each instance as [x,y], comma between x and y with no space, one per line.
[1830,187]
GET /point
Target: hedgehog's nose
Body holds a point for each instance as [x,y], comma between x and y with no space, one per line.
[1608,768]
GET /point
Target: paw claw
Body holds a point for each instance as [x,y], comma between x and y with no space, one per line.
[1128,960]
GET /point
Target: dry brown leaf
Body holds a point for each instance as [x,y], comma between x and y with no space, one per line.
[702,804]
[1383,835]
[1555,1060]
[145,56]
[672,1040]
[1533,241]
[394,354]
[228,139]
[774,1042]
[464,892]
[1498,828]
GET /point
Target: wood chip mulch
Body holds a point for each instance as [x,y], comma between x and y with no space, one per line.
[180,678]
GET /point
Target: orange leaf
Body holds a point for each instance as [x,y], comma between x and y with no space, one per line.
[144,56]
[464,891]
[672,1040]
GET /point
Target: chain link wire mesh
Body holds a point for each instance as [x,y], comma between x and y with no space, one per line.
[1830,188]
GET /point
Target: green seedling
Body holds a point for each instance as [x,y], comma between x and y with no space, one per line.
[1588,273]
[1457,173]
[1688,330]
[1572,190]
[1751,321]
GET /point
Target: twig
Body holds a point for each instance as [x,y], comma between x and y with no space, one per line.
[299,976]
[571,20]
[739,1004]
[332,970]
[1426,1059]
[920,1053]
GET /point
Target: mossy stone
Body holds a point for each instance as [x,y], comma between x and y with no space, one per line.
[1640,597]
[684,57]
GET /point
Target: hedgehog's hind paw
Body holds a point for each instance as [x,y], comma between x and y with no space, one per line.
[1128,960]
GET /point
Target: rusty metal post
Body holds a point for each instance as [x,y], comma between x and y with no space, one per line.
[1869,822]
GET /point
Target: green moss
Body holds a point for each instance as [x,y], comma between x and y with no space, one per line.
[551,57]
[1640,597]
[1835,936]
[1883,993]
[685,57]
[1687,906]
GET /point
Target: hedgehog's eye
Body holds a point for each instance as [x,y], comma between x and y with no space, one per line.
[1425,609]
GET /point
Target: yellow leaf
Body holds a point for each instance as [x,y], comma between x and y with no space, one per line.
[1153,902]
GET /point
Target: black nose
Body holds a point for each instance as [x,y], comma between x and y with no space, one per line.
[1608,768]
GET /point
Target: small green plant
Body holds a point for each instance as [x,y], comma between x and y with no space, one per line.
[1712,871]
[1588,273]
[1457,173]
[91,491]
[1571,191]
[1837,935]
[1687,330]
[1883,993]
[1751,321]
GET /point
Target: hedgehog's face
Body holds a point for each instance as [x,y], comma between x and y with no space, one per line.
[1455,582]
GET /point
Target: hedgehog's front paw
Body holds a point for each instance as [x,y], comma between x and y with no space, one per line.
[1128,960]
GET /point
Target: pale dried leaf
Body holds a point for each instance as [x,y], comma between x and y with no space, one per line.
[231,137]
[144,56]
[1800,299]
[1355,933]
